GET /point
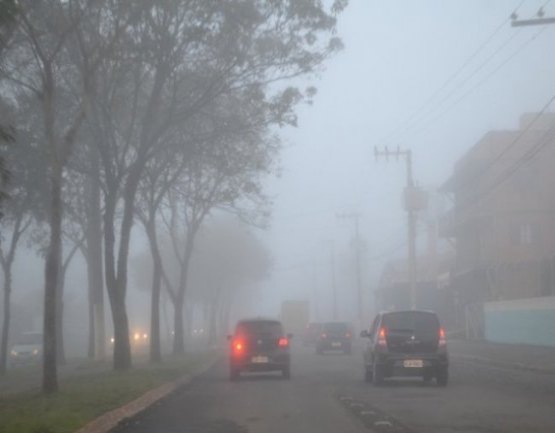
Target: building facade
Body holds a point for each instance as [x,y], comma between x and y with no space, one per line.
[502,223]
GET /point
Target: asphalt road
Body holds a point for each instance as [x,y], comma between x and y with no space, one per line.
[327,394]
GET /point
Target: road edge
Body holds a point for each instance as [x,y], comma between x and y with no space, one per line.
[499,364]
[109,420]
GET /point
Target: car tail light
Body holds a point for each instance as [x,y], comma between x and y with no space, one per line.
[382,337]
[348,335]
[238,347]
[442,340]
[324,335]
[283,342]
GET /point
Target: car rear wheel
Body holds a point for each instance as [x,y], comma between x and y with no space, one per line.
[442,376]
[378,374]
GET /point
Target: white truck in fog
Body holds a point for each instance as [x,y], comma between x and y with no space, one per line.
[295,315]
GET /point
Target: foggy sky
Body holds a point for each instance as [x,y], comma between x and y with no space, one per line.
[397,54]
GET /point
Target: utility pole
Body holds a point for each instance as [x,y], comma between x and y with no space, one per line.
[355,216]
[539,21]
[411,206]
[315,308]
[333,284]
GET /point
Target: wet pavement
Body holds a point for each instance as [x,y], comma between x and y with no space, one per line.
[327,394]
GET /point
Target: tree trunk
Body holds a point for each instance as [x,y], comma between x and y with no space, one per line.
[116,273]
[179,334]
[60,346]
[155,346]
[122,348]
[223,317]
[97,327]
[212,331]
[91,339]
[6,321]
[7,261]
[52,270]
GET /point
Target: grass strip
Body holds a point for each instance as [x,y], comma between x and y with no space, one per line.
[85,397]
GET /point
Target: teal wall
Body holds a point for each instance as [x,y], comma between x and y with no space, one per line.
[530,326]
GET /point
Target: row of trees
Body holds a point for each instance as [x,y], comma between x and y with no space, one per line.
[158,112]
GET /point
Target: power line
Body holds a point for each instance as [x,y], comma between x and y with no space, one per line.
[434,119]
[408,122]
[480,67]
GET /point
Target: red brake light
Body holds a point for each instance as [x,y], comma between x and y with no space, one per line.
[381,337]
[442,338]
[283,342]
[238,347]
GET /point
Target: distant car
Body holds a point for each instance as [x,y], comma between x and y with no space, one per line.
[335,336]
[27,349]
[259,345]
[406,343]
[311,333]
[137,339]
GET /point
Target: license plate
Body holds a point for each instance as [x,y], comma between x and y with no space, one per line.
[336,344]
[413,363]
[260,359]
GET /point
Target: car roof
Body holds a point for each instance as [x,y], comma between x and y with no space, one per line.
[383,313]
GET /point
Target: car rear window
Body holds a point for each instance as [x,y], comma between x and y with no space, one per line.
[260,327]
[336,327]
[411,321]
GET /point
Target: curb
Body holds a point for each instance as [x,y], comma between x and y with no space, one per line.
[106,422]
[504,365]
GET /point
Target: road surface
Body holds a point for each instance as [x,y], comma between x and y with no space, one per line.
[327,394]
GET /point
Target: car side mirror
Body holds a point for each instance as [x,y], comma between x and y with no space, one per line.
[364,334]
[289,336]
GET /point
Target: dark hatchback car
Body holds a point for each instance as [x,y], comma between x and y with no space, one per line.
[335,336]
[406,343]
[259,345]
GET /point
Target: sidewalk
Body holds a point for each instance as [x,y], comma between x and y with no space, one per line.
[540,359]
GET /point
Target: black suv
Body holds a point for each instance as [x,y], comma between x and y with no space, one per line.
[259,345]
[406,343]
[335,336]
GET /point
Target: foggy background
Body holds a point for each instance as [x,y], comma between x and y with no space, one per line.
[396,56]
